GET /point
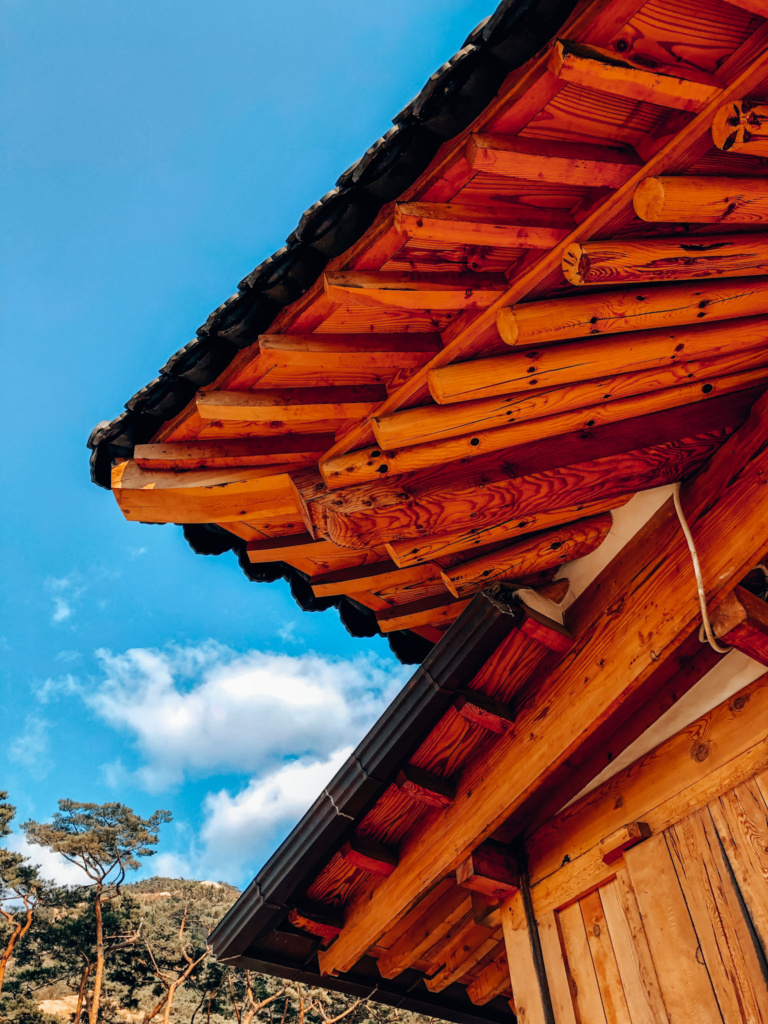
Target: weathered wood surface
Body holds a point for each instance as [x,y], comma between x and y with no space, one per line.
[614,655]
[713,902]
[369,465]
[556,366]
[683,773]
[528,1004]
[607,71]
[666,259]
[540,551]
[436,509]
[660,306]
[702,200]
[555,162]
[742,127]
[741,621]
[481,225]
[685,982]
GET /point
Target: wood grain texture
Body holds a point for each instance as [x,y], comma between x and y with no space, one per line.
[494,980]
[742,127]
[434,611]
[581,970]
[741,819]
[701,200]
[609,72]
[661,786]
[614,998]
[411,552]
[529,1007]
[568,364]
[369,465]
[299,407]
[556,970]
[539,551]
[683,977]
[207,495]
[666,259]
[290,449]
[419,291]
[661,305]
[611,659]
[427,924]
[554,162]
[722,932]
[481,225]
[741,621]
[439,510]
[633,955]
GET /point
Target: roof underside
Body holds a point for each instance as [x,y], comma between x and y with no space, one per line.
[466,391]
[544,291]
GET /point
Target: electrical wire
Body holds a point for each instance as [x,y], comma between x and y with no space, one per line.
[706,625]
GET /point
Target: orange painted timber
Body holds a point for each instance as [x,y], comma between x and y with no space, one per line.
[700,200]
[665,259]
[454,224]
[537,552]
[742,127]
[425,549]
[414,290]
[554,366]
[609,72]
[363,467]
[629,309]
[555,162]
[207,495]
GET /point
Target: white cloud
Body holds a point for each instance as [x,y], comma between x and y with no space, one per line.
[197,711]
[64,590]
[30,747]
[52,689]
[52,865]
[239,828]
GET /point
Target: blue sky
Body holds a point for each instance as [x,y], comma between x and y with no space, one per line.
[153,152]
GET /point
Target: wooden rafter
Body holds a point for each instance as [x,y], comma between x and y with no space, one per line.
[614,655]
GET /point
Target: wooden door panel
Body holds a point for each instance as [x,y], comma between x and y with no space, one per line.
[721,928]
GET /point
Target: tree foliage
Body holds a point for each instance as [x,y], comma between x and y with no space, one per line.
[21,891]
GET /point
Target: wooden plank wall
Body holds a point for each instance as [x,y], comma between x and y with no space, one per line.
[674,929]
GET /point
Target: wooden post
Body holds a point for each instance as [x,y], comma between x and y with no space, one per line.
[526,972]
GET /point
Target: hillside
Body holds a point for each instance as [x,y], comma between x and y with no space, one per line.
[156,933]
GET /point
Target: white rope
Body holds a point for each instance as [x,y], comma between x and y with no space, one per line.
[706,625]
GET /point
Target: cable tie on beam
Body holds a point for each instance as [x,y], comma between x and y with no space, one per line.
[706,625]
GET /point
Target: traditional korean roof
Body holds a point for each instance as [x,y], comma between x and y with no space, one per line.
[544,292]
[514,313]
[454,95]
